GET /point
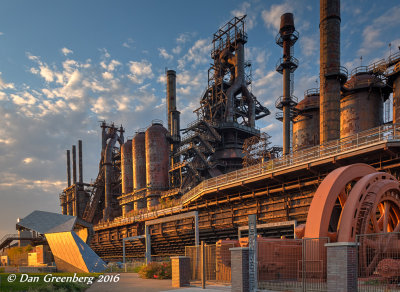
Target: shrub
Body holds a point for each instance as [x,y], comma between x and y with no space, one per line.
[156,270]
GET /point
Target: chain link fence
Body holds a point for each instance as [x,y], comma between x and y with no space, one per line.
[379,262]
[217,262]
[291,264]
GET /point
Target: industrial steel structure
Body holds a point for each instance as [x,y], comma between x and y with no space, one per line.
[170,187]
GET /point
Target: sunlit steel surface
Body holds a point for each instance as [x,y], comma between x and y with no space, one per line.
[72,254]
[67,237]
[306,121]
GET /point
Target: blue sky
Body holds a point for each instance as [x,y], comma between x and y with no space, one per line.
[65,65]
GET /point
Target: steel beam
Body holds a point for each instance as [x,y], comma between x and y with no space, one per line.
[268,225]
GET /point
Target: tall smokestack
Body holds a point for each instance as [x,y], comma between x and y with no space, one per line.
[171,96]
[80,161]
[173,114]
[329,70]
[286,38]
[68,168]
[73,164]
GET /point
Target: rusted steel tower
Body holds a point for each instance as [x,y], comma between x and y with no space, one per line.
[332,75]
[226,116]
[286,65]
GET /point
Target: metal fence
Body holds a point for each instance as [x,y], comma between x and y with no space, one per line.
[379,262]
[291,264]
[217,261]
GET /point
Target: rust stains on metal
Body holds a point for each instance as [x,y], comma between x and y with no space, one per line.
[126,167]
[361,106]
[306,121]
[286,38]
[329,70]
[157,160]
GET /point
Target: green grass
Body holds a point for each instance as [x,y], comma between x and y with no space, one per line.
[42,286]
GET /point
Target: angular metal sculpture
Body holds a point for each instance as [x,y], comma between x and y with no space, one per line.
[67,237]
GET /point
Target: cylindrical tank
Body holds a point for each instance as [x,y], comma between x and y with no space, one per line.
[127,167]
[139,161]
[361,106]
[139,166]
[157,160]
[306,123]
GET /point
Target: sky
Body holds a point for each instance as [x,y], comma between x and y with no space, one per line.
[66,65]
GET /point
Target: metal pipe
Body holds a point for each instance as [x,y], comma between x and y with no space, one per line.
[171,97]
[68,168]
[329,70]
[396,100]
[73,164]
[80,161]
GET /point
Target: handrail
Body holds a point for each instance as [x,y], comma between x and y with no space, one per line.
[381,133]
[362,139]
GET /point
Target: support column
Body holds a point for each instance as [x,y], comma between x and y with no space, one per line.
[342,266]
[240,269]
[180,271]
[148,245]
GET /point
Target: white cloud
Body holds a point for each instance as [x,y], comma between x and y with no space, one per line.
[272,17]
[46,73]
[373,34]
[183,38]
[23,99]
[177,50]
[1,33]
[107,75]
[140,71]
[28,160]
[308,45]
[66,51]
[197,54]
[164,54]
[246,9]
[128,43]
[5,85]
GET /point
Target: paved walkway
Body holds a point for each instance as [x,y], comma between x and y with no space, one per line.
[132,282]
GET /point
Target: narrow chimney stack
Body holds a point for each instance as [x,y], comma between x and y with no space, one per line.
[68,168]
[331,74]
[73,164]
[80,161]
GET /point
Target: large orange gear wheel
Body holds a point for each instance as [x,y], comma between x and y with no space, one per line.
[332,189]
[357,200]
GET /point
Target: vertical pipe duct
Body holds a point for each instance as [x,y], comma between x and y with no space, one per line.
[329,70]
[286,38]
[68,168]
[73,164]
[80,161]
[171,97]
[173,115]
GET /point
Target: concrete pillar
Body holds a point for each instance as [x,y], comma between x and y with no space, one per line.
[240,269]
[180,271]
[342,266]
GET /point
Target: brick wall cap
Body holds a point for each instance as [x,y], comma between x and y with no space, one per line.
[333,244]
[238,248]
